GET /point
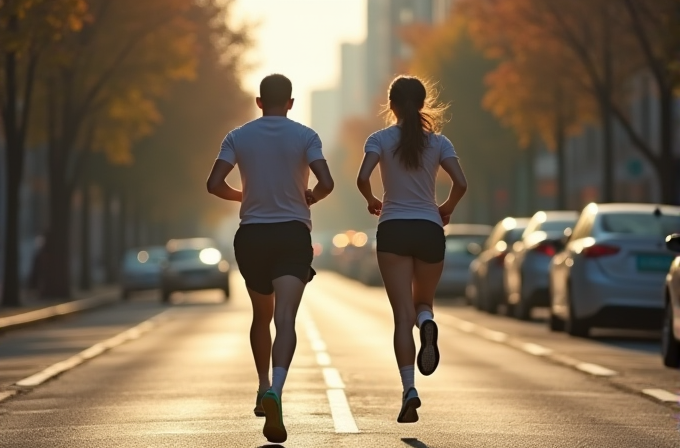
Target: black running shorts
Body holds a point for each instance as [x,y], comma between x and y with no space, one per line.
[268,251]
[418,238]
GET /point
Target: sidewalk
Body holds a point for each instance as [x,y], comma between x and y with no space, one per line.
[34,310]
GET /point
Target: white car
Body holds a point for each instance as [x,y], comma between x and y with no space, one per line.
[463,243]
[194,264]
[670,346]
[141,269]
[528,262]
[612,270]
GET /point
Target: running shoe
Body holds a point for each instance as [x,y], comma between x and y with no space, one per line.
[273,429]
[259,410]
[428,355]
[410,404]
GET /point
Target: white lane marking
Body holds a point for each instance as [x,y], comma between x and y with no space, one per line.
[89,353]
[535,349]
[467,327]
[343,420]
[662,395]
[493,335]
[342,415]
[332,378]
[7,394]
[595,369]
[323,359]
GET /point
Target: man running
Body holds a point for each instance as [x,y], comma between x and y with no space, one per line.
[273,246]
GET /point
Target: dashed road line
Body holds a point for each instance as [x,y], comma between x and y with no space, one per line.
[4,395]
[544,352]
[343,420]
[56,369]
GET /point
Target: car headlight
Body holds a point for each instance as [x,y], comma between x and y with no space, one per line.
[210,256]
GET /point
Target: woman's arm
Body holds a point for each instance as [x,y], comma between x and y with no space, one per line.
[369,163]
[452,167]
[217,184]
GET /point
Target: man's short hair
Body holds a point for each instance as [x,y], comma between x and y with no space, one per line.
[275,90]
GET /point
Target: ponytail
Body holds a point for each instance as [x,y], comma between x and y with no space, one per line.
[419,117]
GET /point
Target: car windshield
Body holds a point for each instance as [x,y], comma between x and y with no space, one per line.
[460,244]
[640,224]
[514,235]
[185,255]
[556,226]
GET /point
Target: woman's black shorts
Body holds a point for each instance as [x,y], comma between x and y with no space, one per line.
[418,238]
[265,252]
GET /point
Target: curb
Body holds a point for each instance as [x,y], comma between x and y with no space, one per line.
[63,309]
[659,396]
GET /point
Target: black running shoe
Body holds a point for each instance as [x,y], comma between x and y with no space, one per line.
[428,355]
[259,410]
[410,404]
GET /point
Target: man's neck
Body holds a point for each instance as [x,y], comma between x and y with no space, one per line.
[279,112]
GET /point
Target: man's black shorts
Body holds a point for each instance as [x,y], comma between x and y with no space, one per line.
[268,251]
[418,238]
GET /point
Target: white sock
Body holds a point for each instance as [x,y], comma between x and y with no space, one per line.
[278,379]
[423,316]
[407,374]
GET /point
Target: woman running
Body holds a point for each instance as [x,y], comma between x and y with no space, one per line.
[410,237]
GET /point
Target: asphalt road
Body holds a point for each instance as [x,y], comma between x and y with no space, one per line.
[190,382]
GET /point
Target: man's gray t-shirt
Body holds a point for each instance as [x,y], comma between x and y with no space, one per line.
[409,194]
[273,155]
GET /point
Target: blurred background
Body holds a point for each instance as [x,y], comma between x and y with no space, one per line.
[113,112]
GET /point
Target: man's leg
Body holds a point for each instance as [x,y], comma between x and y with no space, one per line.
[288,291]
[260,335]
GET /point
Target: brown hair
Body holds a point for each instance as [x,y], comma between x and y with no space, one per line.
[415,101]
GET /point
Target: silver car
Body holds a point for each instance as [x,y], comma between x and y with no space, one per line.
[612,270]
[463,243]
[670,346]
[141,269]
[485,289]
[528,263]
[194,264]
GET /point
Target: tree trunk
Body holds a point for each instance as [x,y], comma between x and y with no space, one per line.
[57,276]
[668,173]
[85,244]
[108,235]
[607,194]
[560,152]
[10,286]
[122,241]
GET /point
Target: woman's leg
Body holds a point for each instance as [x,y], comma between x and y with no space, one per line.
[397,274]
[426,278]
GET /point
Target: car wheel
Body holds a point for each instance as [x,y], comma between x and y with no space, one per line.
[522,310]
[125,294]
[575,326]
[165,296]
[226,291]
[555,323]
[480,303]
[670,348]
[491,304]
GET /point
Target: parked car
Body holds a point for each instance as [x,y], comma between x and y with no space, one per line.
[369,272]
[527,264]
[670,339]
[141,269]
[194,264]
[322,243]
[485,290]
[612,270]
[463,243]
[354,249]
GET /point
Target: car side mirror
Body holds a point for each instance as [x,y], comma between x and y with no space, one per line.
[673,242]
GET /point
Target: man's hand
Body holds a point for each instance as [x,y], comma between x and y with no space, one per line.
[309,196]
[375,206]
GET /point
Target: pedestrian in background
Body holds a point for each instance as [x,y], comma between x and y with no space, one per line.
[410,236]
[272,246]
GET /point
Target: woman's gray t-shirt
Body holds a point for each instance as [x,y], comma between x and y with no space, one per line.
[273,156]
[409,194]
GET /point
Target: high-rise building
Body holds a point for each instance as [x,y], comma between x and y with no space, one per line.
[353,100]
[325,119]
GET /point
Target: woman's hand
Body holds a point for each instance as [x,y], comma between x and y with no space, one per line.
[374,206]
[445,212]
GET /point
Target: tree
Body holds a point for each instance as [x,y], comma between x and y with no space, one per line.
[27,27]
[611,42]
[103,95]
[488,150]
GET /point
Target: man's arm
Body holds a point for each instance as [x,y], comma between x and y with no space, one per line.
[324,184]
[217,184]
